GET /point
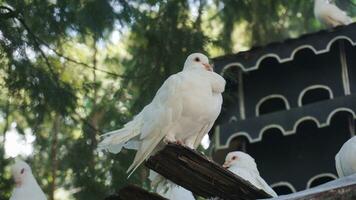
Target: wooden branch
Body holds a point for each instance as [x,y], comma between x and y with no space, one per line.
[340,189]
[132,192]
[195,172]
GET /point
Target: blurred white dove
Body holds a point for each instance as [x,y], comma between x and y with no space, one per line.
[26,184]
[345,159]
[183,110]
[167,188]
[329,14]
[177,193]
[244,166]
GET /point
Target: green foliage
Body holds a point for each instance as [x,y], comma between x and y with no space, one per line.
[63,77]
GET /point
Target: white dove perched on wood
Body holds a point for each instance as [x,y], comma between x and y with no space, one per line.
[329,14]
[345,159]
[26,184]
[244,166]
[183,110]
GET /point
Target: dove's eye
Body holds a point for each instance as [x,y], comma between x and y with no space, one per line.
[22,170]
[234,157]
[197,59]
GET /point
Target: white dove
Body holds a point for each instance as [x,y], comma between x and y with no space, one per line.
[329,14]
[244,166]
[26,184]
[345,159]
[183,110]
[178,193]
[168,189]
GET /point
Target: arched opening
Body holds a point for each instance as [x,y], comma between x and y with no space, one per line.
[320,179]
[314,94]
[282,189]
[270,104]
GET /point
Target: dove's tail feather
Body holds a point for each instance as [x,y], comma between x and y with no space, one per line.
[145,150]
[114,141]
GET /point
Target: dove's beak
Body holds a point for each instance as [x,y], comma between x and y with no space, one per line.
[208,67]
[226,164]
[18,182]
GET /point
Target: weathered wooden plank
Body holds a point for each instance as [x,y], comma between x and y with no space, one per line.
[197,173]
[340,189]
[132,192]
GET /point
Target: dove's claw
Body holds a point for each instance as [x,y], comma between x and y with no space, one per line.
[169,139]
[179,142]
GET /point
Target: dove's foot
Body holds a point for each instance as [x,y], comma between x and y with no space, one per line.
[189,143]
[169,139]
[179,142]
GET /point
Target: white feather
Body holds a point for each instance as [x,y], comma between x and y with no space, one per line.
[345,159]
[329,14]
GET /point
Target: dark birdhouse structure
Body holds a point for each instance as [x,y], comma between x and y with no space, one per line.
[291,105]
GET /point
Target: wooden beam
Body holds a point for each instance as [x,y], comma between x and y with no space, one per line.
[197,173]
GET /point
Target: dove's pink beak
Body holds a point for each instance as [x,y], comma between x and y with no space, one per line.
[208,67]
[18,182]
[226,164]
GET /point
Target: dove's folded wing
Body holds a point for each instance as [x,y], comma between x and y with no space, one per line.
[164,110]
[263,185]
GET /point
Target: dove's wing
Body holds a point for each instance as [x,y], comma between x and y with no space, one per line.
[331,15]
[164,110]
[254,178]
[263,185]
[337,16]
[338,166]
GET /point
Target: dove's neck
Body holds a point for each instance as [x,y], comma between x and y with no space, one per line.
[29,180]
[250,166]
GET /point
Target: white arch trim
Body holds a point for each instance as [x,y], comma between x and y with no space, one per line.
[283,131]
[284,183]
[329,175]
[291,57]
[312,87]
[272,96]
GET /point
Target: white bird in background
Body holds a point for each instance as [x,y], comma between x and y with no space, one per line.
[244,166]
[329,14]
[183,111]
[168,189]
[345,159]
[177,193]
[26,184]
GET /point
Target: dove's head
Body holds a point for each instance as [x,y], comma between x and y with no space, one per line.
[197,61]
[239,159]
[20,171]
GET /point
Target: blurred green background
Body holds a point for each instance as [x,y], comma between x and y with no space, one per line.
[71,70]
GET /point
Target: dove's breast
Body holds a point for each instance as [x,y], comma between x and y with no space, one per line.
[200,106]
[199,102]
